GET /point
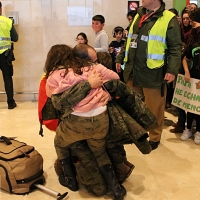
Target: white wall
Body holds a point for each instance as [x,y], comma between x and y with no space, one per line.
[43,23]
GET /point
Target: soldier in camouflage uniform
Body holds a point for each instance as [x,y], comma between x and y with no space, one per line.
[119,132]
[84,169]
[139,139]
[79,125]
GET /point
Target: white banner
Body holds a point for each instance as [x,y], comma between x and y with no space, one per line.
[186,95]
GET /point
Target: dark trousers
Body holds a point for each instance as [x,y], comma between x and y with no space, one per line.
[170,92]
[181,118]
[7,72]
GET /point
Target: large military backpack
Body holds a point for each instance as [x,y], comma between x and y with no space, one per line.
[21,166]
[47,114]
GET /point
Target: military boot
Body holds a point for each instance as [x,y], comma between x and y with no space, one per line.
[122,171]
[59,171]
[129,164]
[69,178]
[118,190]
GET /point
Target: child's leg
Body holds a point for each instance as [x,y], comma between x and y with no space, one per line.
[122,166]
[62,152]
[187,132]
[97,146]
[197,134]
[197,123]
[190,118]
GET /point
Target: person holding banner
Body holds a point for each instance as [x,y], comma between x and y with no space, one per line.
[193,54]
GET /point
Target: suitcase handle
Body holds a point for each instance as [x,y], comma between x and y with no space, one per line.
[6,140]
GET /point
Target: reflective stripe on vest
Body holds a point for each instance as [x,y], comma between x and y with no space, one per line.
[157,41]
[5,47]
[5,39]
[128,41]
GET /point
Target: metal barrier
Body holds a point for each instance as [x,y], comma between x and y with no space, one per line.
[34,93]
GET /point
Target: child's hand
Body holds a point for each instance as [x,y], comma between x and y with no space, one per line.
[187,76]
[179,20]
[118,67]
[105,98]
[95,79]
[126,33]
[198,85]
[111,49]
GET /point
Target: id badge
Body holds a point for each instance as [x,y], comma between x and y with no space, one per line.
[134,44]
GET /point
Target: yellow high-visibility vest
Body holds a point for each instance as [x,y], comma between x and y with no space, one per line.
[156,40]
[5,39]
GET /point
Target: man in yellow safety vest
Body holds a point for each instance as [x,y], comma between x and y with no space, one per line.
[152,56]
[8,35]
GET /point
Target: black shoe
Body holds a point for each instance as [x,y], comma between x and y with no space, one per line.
[12,106]
[177,129]
[154,145]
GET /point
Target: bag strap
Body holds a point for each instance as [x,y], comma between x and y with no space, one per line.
[6,140]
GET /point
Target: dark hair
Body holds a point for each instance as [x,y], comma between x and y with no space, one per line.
[0,4]
[57,56]
[84,37]
[99,18]
[195,15]
[81,57]
[116,30]
[194,4]
[173,10]
[131,13]
[105,59]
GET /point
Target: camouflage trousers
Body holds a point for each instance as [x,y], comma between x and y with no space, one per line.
[92,129]
[87,169]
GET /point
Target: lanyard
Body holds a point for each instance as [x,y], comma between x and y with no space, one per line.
[144,18]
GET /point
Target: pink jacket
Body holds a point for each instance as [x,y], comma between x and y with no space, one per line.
[56,83]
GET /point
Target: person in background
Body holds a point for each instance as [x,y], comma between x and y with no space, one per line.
[81,38]
[185,27]
[130,15]
[151,70]
[193,53]
[8,34]
[105,59]
[115,47]
[170,86]
[179,126]
[191,7]
[101,38]
[173,10]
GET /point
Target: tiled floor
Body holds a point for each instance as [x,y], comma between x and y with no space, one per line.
[171,172]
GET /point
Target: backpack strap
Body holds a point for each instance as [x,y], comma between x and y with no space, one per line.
[41,129]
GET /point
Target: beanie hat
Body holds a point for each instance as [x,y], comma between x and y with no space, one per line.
[195,15]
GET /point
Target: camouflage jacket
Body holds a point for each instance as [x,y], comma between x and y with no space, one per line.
[129,116]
